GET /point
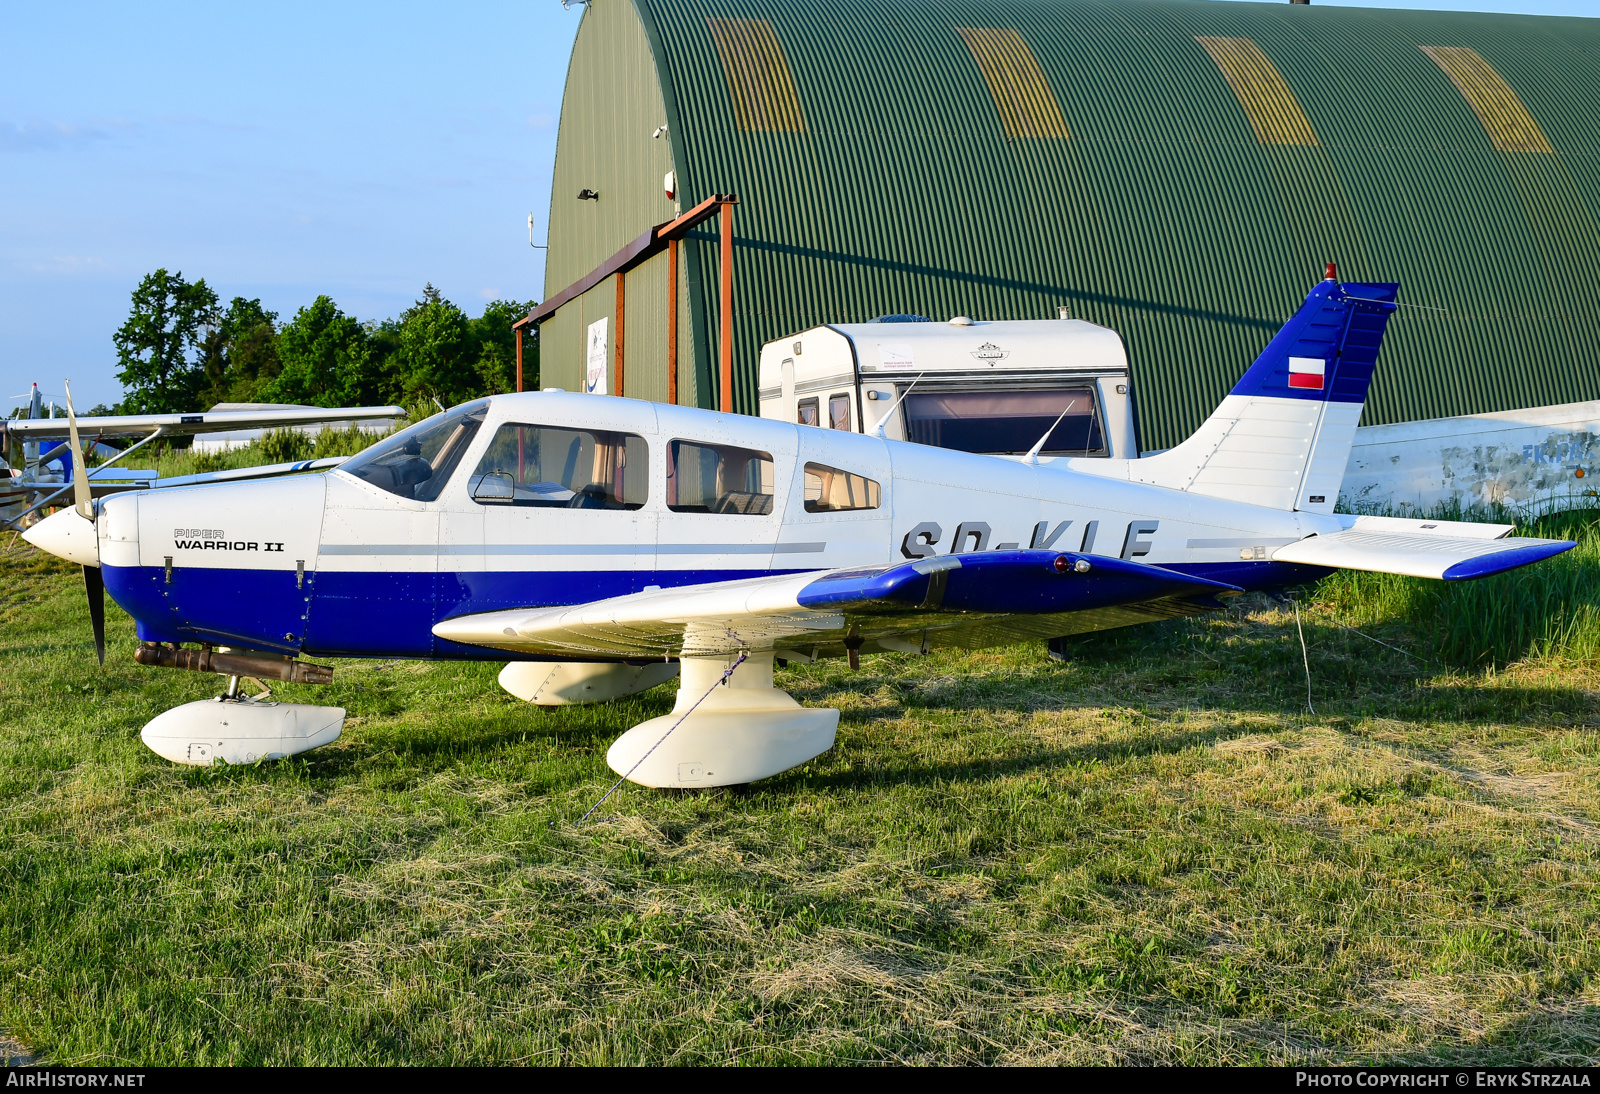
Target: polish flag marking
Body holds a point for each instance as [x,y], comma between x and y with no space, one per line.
[1307,372]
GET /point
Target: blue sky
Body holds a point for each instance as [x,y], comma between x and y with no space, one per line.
[281,150]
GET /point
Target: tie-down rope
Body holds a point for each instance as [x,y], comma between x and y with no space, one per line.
[737,662]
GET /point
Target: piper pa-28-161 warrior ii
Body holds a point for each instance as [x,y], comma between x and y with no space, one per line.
[601,545]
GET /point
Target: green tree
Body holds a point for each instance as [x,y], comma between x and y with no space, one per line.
[325,358]
[436,357]
[241,355]
[160,347]
[496,346]
[385,384]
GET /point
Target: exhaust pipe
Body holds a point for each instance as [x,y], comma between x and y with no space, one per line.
[234,664]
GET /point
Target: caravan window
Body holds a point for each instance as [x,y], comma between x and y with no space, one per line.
[551,467]
[808,412]
[1006,421]
[839,412]
[718,478]
[830,490]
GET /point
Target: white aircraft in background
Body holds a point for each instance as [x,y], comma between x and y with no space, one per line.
[601,545]
[48,458]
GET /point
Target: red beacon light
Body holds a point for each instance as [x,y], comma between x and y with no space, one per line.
[1333,272]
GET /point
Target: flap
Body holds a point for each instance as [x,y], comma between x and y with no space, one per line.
[960,600]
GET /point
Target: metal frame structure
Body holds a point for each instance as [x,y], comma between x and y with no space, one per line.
[663,237]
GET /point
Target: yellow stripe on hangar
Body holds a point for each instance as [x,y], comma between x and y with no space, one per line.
[759,80]
[1507,122]
[1274,112]
[1022,95]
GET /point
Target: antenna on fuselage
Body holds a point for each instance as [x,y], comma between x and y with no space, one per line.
[878,430]
[1033,453]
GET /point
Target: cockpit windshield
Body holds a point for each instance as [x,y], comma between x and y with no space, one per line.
[417,462]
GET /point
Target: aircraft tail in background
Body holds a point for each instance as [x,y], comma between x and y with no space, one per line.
[1282,436]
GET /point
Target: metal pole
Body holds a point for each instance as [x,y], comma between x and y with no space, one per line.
[519,358]
[726,376]
[621,325]
[672,321]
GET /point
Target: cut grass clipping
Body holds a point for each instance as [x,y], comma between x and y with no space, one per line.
[1150,853]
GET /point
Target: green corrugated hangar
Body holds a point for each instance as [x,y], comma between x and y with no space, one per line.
[1178,171]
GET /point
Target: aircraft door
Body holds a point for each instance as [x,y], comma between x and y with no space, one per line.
[838,508]
[376,592]
[565,516]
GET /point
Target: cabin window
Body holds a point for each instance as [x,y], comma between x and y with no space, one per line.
[416,462]
[839,412]
[557,468]
[1008,422]
[809,414]
[830,490]
[718,478]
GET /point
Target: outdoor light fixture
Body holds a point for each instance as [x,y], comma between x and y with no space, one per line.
[587,194]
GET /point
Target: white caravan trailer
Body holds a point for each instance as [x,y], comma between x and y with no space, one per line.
[967,385]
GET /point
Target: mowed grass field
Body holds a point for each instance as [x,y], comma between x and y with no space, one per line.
[1151,853]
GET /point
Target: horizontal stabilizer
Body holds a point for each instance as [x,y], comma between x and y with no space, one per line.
[949,600]
[1451,558]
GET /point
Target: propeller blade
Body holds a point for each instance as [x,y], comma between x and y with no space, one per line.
[80,473]
[94,585]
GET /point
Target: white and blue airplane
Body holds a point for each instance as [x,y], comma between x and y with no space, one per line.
[601,545]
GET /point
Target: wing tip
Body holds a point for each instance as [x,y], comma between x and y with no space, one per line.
[1501,561]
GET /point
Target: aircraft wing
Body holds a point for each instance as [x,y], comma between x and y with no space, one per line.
[115,479]
[969,600]
[1447,557]
[266,471]
[128,425]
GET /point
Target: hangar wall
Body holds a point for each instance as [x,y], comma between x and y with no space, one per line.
[611,107]
[1178,170]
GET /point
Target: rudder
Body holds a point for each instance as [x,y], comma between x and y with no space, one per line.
[1282,436]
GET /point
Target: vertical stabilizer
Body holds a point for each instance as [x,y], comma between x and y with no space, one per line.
[1282,436]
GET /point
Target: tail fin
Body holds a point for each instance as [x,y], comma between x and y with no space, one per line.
[1282,436]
